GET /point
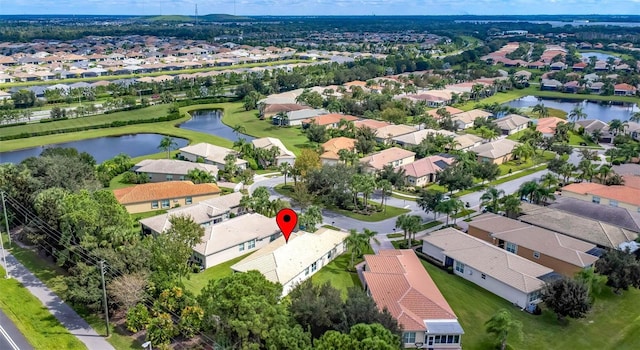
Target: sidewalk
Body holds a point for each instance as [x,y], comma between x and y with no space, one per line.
[64,313]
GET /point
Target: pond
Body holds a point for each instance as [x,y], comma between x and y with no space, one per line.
[593,110]
[599,55]
[210,122]
[101,148]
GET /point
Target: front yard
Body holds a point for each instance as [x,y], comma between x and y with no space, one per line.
[613,323]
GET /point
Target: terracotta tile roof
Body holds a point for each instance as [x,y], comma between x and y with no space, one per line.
[631,181]
[373,124]
[333,146]
[548,125]
[623,193]
[397,280]
[394,130]
[426,166]
[382,158]
[328,119]
[163,190]
[451,110]
[624,86]
[470,116]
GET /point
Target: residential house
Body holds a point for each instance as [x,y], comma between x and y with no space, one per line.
[505,274]
[370,123]
[424,171]
[234,238]
[624,89]
[565,255]
[205,213]
[497,152]
[592,125]
[579,67]
[626,196]
[385,134]
[328,120]
[467,141]
[393,156]
[210,154]
[290,263]
[294,118]
[452,111]
[285,156]
[571,87]
[550,84]
[547,126]
[596,87]
[465,120]
[601,233]
[164,195]
[512,123]
[397,282]
[332,147]
[558,66]
[522,75]
[160,170]
[414,138]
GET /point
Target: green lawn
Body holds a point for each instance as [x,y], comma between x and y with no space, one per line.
[197,281]
[337,275]
[41,329]
[50,275]
[138,114]
[395,235]
[377,216]
[500,98]
[515,165]
[612,324]
[463,213]
[429,225]
[576,139]
[291,137]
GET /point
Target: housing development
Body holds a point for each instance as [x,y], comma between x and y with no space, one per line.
[464,182]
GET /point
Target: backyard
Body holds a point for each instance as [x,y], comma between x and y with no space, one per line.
[613,323]
[199,280]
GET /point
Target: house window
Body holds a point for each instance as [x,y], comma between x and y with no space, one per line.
[595,199]
[409,337]
[251,244]
[306,271]
[534,296]
[536,255]
[169,177]
[166,203]
[188,200]
[613,203]
[329,254]
[483,276]
[241,246]
[181,177]
[154,205]
[314,266]
[459,267]
[512,248]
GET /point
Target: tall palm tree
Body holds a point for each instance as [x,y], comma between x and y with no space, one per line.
[603,173]
[239,129]
[541,109]
[410,224]
[285,168]
[617,126]
[511,205]
[549,180]
[447,207]
[385,190]
[635,117]
[167,144]
[490,199]
[354,244]
[577,113]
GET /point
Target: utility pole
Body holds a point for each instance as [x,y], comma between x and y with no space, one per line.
[6,218]
[104,296]
[4,258]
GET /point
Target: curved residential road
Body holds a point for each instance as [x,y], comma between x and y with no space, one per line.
[10,336]
[387,226]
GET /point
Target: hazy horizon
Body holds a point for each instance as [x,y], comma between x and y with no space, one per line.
[321,7]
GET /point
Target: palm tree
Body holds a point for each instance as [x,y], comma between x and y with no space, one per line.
[285,168]
[549,180]
[490,199]
[577,113]
[523,151]
[501,324]
[487,133]
[447,207]
[167,144]
[511,205]
[385,189]
[603,173]
[239,129]
[617,126]
[541,109]
[354,244]
[369,235]
[457,206]
[410,224]
[198,176]
[635,117]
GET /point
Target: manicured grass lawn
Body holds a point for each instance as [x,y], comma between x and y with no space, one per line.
[138,114]
[429,225]
[612,324]
[197,281]
[377,216]
[553,112]
[331,227]
[41,329]
[463,213]
[395,235]
[576,140]
[50,275]
[337,275]
[500,98]
[514,165]
[501,180]
[292,137]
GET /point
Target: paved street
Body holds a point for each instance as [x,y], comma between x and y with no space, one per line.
[387,226]
[76,325]
[10,336]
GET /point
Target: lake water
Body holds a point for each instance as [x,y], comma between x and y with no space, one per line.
[101,148]
[210,122]
[599,55]
[593,110]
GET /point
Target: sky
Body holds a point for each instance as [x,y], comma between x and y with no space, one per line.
[320,7]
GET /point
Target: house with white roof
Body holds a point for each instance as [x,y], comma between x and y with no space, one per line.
[211,154]
[267,143]
[234,238]
[414,138]
[512,123]
[160,170]
[503,273]
[296,261]
[465,120]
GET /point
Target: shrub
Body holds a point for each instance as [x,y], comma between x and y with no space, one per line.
[161,329]
[191,321]
[137,318]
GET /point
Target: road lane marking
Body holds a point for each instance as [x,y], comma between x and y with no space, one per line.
[11,342]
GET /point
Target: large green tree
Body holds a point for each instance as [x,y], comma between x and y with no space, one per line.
[172,249]
[318,308]
[567,298]
[501,324]
[360,337]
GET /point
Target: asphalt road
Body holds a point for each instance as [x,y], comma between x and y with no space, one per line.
[10,336]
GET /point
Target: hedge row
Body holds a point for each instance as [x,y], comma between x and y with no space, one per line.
[113,124]
[12,124]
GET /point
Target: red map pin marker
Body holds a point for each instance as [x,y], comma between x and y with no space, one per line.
[287,219]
